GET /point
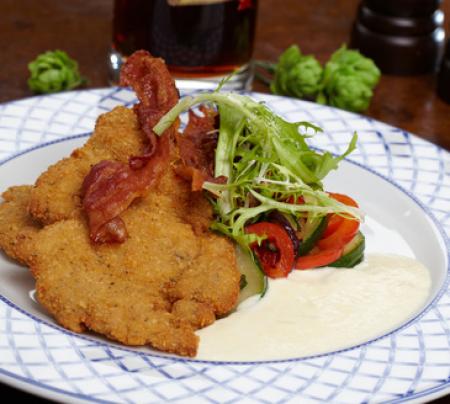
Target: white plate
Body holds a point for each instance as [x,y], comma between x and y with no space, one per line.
[399,179]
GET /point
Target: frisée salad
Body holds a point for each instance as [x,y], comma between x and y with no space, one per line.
[272,202]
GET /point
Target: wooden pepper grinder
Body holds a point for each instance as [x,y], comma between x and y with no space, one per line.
[403,37]
[444,76]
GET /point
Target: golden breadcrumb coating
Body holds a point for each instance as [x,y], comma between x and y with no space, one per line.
[17,228]
[162,283]
[169,278]
[56,194]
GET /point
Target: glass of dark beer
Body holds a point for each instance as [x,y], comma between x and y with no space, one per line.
[201,40]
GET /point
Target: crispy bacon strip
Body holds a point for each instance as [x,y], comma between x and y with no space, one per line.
[111,186]
[197,145]
[154,87]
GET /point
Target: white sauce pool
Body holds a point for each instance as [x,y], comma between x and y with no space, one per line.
[322,310]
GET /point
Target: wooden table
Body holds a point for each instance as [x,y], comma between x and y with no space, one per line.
[83,29]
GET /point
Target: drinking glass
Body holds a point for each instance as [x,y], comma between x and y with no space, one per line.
[202,41]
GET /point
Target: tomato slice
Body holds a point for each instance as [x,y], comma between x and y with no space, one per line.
[276,252]
[319,259]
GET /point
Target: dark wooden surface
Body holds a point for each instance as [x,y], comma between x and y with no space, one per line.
[83,29]
[319,27]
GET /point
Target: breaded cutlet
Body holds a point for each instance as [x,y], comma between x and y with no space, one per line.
[17,227]
[56,194]
[166,280]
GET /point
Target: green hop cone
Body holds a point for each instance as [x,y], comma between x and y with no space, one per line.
[348,80]
[297,75]
[348,91]
[361,66]
[54,71]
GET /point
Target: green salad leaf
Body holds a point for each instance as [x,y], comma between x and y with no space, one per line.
[54,71]
[266,161]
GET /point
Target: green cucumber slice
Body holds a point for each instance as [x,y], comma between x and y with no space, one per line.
[255,279]
[313,232]
[353,252]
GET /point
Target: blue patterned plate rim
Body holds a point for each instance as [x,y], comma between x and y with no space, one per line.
[424,208]
[438,387]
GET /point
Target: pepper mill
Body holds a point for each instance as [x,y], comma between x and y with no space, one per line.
[403,37]
[444,76]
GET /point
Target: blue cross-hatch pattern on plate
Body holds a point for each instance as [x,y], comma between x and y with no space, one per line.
[412,362]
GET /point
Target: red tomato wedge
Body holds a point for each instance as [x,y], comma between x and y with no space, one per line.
[318,259]
[276,252]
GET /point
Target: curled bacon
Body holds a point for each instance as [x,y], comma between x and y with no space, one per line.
[197,145]
[154,87]
[111,186]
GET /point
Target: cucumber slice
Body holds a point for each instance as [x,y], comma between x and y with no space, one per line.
[256,280]
[313,232]
[353,252]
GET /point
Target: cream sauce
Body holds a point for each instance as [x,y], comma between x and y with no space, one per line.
[319,311]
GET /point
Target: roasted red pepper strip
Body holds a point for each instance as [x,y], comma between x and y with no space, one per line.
[318,259]
[340,230]
[300,200]
[276,252]
[345,199]
[344,233]
[335,220]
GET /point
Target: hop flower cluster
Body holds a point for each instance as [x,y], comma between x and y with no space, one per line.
[54,71]
[347,80]
[297,75]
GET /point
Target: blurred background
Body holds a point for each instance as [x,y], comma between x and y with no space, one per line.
[83,29]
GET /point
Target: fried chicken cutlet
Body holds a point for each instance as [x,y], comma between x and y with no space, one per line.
[56,194]
[17,227]
[156,288]
[169,277]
